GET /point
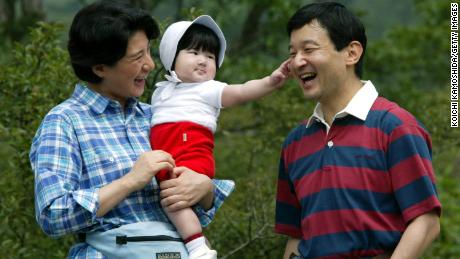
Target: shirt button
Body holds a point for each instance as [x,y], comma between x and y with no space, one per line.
[330,143]
[111,159]
[67,186]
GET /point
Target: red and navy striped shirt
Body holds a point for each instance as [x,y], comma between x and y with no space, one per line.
[351,191]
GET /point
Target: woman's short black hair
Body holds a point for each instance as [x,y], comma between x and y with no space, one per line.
[100,32]
[342,25]
[199,37]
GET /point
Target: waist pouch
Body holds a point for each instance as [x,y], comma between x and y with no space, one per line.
[153,240]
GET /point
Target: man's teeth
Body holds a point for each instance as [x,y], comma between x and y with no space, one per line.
[307,76]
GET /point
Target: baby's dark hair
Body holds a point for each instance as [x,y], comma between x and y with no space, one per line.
[199,37]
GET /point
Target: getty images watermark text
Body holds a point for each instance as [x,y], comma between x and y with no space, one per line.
[454,65]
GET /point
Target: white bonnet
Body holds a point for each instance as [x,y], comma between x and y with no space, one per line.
[173,34]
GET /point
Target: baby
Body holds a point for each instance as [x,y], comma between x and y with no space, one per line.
[187,105]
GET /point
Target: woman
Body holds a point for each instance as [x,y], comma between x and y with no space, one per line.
[93,164]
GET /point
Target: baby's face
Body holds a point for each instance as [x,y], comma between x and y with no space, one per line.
[194,66]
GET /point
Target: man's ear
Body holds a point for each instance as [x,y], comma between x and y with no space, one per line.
[99,70]
[354,52]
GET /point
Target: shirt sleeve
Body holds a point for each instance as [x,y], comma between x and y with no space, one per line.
[223,188]
[287,211]
[411,171]
[60,206]
[212,93]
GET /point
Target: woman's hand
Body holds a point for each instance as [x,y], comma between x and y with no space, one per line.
[186,190]
[142,172]
[147,166]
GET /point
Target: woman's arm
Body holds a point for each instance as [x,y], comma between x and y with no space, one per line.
[144,169]
[63,206]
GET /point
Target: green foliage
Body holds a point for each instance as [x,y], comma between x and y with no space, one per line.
[409,66]
[36,78]
[414,54]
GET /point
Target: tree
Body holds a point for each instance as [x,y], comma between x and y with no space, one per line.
[13,26]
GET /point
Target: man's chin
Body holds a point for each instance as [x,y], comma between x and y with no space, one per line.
[310,96]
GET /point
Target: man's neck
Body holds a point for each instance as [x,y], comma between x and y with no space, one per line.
[339,100]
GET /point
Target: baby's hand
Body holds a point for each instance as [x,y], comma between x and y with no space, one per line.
[279,76]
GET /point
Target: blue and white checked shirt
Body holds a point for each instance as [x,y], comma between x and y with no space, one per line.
[83,144]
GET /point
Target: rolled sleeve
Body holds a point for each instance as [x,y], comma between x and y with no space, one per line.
[223,188]
[88,199]
[60,206]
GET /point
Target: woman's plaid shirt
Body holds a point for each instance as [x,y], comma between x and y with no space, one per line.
[83,144]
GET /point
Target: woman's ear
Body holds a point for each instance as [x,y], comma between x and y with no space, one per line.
[354,52]
[99,70]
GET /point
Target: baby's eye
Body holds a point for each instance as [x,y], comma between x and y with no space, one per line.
[211,57]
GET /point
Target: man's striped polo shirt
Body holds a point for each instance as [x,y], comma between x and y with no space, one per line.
[351,189]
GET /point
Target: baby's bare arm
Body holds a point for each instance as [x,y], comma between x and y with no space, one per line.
[254,89]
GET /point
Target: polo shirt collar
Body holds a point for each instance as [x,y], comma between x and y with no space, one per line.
[359,106]
[99,103]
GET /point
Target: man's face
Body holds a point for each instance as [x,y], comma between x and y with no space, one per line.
[316,65]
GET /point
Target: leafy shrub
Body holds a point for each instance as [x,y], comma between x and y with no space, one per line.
[36,78]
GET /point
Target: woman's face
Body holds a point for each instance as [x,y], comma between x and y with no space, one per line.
[126,78]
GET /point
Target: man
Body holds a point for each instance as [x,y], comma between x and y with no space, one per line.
[356,179]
